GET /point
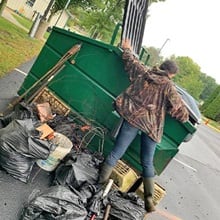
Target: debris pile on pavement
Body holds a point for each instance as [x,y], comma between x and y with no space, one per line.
[61,202]
[27,136]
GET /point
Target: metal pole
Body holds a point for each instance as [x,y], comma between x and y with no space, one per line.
[35,25]
[163,45]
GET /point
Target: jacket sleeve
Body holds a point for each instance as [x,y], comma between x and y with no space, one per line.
[176,108]
[132,65]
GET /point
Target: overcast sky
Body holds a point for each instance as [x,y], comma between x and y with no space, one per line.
[189,28]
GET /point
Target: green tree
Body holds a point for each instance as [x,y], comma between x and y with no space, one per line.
[59,5]
[189,76]
[210,99]
[2,5]
[100,19]
[211,108]
[154,56]
[209,86]
[53,7]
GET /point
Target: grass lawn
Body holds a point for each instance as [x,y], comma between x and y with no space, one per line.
[27,23]
[16,47]
[215,124]
[212,123]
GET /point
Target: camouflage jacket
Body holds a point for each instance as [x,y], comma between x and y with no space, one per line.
[150,95]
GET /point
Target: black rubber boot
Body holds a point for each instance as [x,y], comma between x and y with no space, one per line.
[105,173]
[148,194]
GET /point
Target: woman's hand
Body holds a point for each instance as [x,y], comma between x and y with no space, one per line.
[125,44]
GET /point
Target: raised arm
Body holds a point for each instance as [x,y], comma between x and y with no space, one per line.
[132,65]
[176,107]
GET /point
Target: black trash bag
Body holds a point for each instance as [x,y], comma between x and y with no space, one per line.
[19,148]
[21,111]
[78,168]
[68,127]
[86,192]
[126,206]
[16,165]
[63,124]
[5,120]
[39,149]
[97,204]
[21,136]
[57,202]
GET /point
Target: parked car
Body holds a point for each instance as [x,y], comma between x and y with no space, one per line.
[195,116]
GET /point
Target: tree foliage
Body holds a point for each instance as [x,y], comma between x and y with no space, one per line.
[154,56]
[211,107]
[209,86]
[101,19]
[60,4]
[2,5]
[211,98]
[189,76]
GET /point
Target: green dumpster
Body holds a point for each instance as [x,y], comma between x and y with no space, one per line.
[89,87]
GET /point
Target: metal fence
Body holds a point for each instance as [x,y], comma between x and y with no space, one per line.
[134,22]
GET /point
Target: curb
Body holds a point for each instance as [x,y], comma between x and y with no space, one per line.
[214,128]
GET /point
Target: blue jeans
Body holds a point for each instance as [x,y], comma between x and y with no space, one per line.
[125,136]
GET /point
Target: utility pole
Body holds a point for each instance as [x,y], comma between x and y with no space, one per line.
[159,51]
[163,45]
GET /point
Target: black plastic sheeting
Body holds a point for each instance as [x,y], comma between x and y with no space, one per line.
[126,206]
[78,168]
[68,127]
[60,202]
[57,203]
[76,195]
[20,147]
[21,112]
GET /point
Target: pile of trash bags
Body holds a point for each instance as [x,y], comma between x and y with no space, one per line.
[20,144]
[74,193]
[59,202]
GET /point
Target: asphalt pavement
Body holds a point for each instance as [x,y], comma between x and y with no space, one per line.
[11,83]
